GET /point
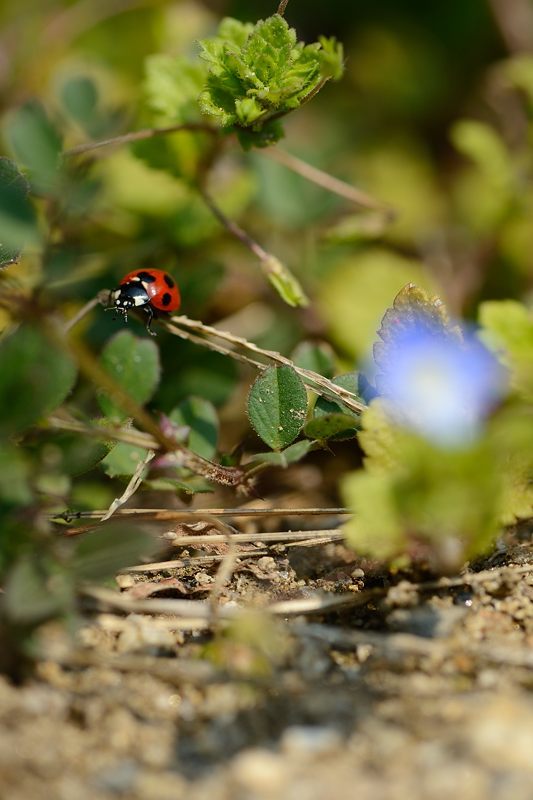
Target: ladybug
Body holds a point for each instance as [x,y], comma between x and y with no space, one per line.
[153,290]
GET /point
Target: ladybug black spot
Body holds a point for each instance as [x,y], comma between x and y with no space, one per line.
[145,277]
[169,282]
[165,300]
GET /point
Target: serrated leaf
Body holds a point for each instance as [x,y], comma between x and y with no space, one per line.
[35,378]
[36,144]
[290,455]
[102,553]
[201,418]
[331,57]
[18,223]
[277,406]
[134,364]
[259,71]
[413,312]
[123,459]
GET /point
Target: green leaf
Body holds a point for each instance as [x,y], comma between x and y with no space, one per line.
[348,381]
[443,505]
[14,476]
[483,145]
[290,455]
[328,415]
[123,459]
[332,425]
[201,417]
[18,223]
[102,553]
[360,227]
[189,486]
[35,378]
[79,97]
[331,57]
[277,406]
[316,357]
[257,72]
[507,328]
[171,88]
[36,143]
[36,590]
[375,527]
[284,282]
[134,364]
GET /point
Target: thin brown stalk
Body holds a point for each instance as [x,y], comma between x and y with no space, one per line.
[201,610]
[271,536]
[192,561]
[137,136]
[90,367]
[236,230]
[313,380]
[84,310]
[167,515]
[133,484]
[282,6]
[327,181]
[126,435]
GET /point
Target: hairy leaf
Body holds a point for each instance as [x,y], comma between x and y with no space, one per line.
[277,406]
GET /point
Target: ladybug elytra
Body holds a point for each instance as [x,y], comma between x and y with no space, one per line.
[153,290]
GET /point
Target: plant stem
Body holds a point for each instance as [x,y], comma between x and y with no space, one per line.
[233,228]
[84,310]
[282,6]
[327,181]
[168,515]
[87,363]
[313,380]
[136,136]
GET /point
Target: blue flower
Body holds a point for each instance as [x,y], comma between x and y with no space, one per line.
[437,380]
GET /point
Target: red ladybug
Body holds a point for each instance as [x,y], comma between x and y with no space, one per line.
[153,290]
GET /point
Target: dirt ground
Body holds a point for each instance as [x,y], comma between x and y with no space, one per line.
[410,687]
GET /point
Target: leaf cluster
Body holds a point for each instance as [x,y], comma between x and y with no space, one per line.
[258,73]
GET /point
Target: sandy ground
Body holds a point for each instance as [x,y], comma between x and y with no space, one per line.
[415,690]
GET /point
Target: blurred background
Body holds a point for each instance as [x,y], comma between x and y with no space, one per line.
[432,116]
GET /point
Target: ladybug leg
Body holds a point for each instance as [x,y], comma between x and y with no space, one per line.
[149,310]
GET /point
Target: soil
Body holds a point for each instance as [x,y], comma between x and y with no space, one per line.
[412,687]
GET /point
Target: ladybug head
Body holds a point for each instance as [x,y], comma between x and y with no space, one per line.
[127,297]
